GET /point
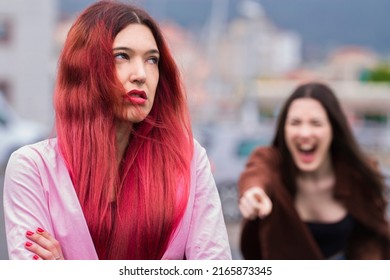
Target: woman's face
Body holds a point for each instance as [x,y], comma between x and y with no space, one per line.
[136,59]
[308,134]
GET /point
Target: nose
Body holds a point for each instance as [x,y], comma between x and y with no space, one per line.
[305,130]
[138,73]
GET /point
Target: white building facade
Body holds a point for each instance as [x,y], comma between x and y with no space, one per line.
[26,56]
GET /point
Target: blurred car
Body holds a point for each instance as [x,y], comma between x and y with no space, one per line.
[16,132]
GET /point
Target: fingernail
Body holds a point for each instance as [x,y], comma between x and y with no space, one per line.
[35,257]
[28,244]
[40,230]
[29,233]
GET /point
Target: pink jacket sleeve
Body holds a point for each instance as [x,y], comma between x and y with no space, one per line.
[38,192]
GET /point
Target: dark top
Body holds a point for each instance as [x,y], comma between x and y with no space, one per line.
[332,238]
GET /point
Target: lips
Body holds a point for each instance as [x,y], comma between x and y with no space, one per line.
[138,97]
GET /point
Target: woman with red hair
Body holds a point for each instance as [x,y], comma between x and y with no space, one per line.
[124,178]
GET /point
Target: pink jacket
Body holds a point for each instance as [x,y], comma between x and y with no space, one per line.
[38,192]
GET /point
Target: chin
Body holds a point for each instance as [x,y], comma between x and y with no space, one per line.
[307,167]
[135,118]
[135,121]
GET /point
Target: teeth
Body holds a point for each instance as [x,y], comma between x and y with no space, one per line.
[306,148]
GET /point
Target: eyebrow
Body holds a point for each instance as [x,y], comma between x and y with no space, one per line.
[152,51]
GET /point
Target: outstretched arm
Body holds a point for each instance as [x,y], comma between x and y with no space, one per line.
[255,203]
[254,184]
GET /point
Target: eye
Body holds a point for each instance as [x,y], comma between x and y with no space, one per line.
[153,60]
[121,55]
[316,123]
[293,122]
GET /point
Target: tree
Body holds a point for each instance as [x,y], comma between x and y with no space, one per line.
[380,73]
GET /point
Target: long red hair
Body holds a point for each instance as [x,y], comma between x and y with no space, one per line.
[152,183]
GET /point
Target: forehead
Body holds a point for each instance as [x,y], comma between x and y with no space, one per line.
[135,36]
[306,107]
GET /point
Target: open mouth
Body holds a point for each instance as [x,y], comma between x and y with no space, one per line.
[306,152]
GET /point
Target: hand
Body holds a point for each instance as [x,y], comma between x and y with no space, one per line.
[43,245]
[255,203]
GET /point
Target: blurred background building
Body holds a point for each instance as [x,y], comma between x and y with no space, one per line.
[26,56]
[239,60]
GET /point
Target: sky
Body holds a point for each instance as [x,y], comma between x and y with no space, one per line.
[321,23]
